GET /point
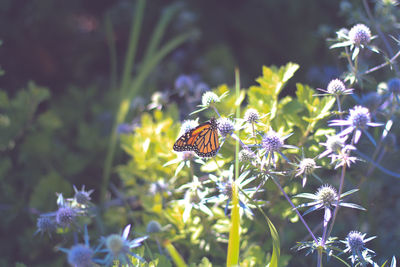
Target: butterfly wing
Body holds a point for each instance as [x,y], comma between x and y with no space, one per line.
[206,144]
[203,140]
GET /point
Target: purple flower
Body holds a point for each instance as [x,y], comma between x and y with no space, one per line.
[336,87]
[357,121]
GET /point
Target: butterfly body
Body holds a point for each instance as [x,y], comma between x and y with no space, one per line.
[203,140]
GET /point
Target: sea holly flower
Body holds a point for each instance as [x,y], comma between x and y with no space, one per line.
[208,99]
[81,255]
[305,168]
[355,244]
[82,197]
[246,155]
[224,186]
[194,198]
[334,145]
[336,88]
[251,115]
[393,87]
[65,216]
[326,198]
[225,126]
[358,37]
[272,143]
[45,224]
[357,121]
[118,247]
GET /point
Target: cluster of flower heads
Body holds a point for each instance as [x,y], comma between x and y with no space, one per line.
[110,248]
[68,210]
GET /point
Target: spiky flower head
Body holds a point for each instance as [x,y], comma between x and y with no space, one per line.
[153,227]
[360,35]
[246,155]
[251,115]
[394,85]
[326,194]
[226,189]
[335,143]
[81,196]
[359,117]
[80,255]
[208,98]
[225,126]
[116,244]
[65,216]
[307,166]
[188,125]
[355,241]
[272,142]
[336,86]
[45,224]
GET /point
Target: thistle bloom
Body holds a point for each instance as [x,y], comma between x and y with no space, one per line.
[338,151]
[82,197]
[225,126]
[81,255]
[65,216]
[306,167]
[326,198]
[357,121]
[336,87]
[45,224]
[360,35]
[355,243]
[194,198]
[208,98]
[246,155]
[225,185]
[118,247]
[273,143]
[251,115]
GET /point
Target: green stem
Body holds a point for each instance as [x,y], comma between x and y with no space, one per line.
[337,201]
[132,47]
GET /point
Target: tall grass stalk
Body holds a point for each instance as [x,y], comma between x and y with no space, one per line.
[234,236]
[131,86]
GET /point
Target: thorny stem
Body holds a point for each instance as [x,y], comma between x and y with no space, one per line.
[339,110]
[294,207]
[348,57]
[337,200]
[391,61]
[254,132]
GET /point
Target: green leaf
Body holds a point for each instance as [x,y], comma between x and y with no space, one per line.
[264,97]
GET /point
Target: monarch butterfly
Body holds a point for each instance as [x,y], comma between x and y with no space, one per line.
[203,140]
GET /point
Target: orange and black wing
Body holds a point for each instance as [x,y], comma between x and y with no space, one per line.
[203,140]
